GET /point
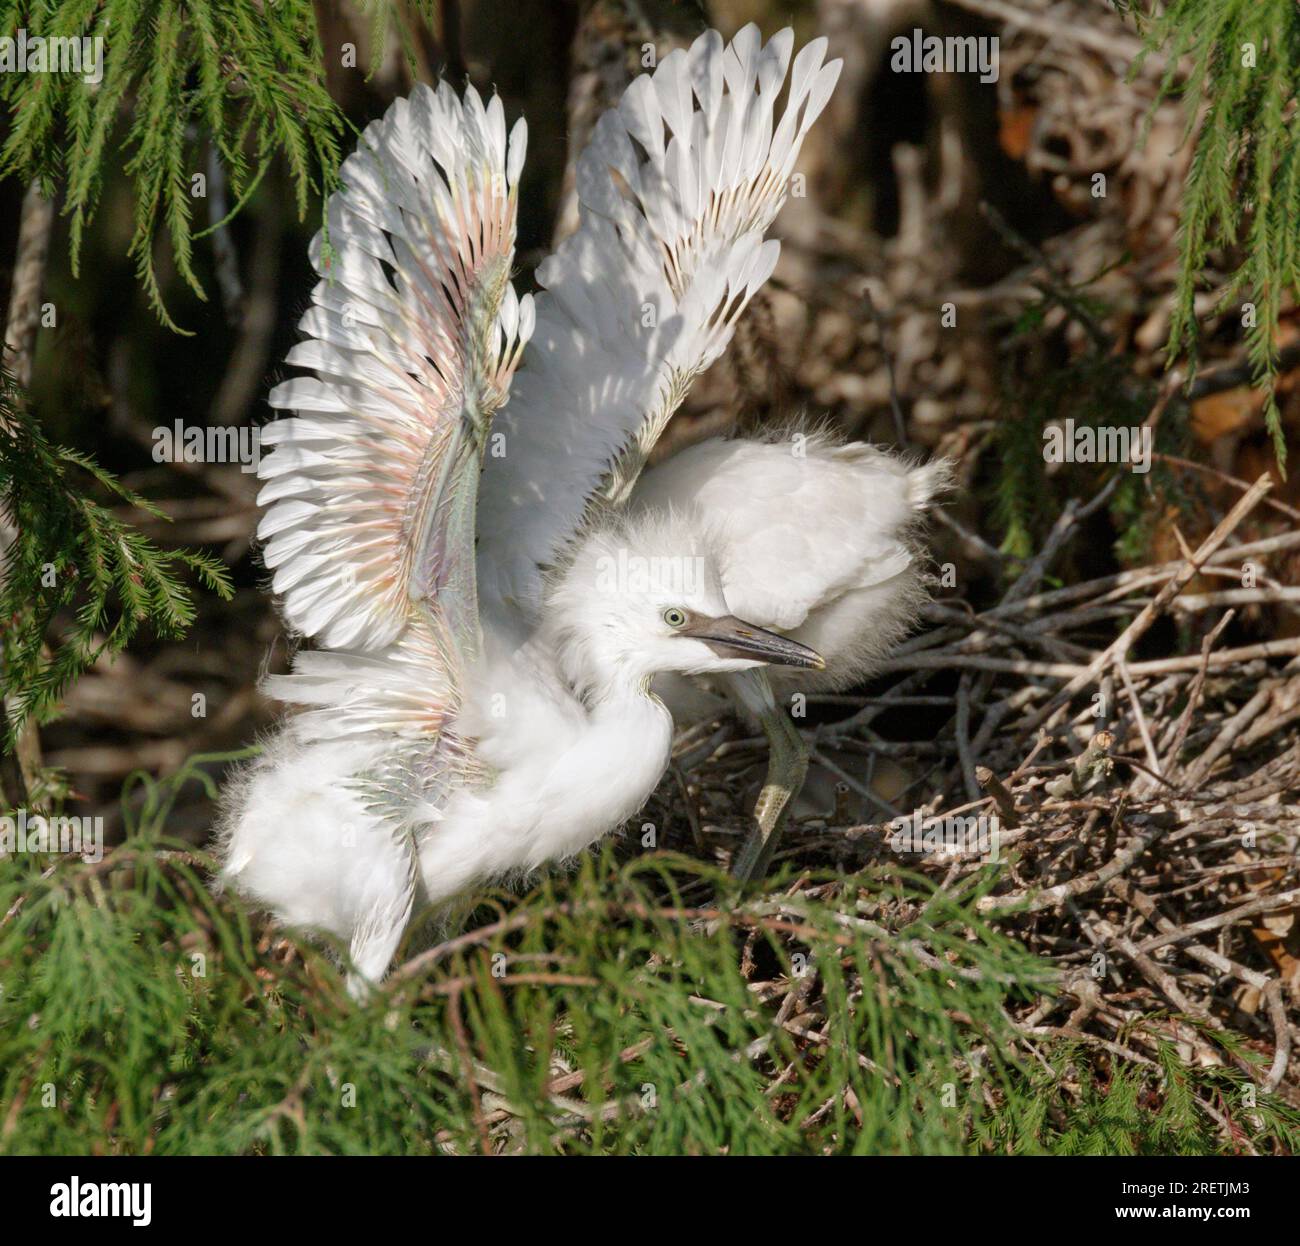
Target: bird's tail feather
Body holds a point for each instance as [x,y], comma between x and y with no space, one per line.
[302,839]
[929,481]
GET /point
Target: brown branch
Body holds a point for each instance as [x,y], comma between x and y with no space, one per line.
[20,769]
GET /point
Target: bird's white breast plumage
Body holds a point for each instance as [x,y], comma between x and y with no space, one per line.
[560,776]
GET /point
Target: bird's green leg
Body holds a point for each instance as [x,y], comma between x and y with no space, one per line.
[787,764]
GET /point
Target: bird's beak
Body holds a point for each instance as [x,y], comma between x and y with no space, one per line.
[730,637]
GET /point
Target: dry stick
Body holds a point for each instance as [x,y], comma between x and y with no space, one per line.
[977,547]
[1065,526]
[900,424]
[1051,712]
[862,790]
[19,769]
[997,631]
[481,1075]
[1122,45]
[1226,478]
[1229,376]
[1288,648]
[1228,734]
[1055,287]
[1133,896]
[996,789]
[1092,764]
[967,760]
[933,640]
[692,811]
[1269,725]
[1075,887]
[1139,717]
[1123,582]
[998,711]
[1194,696]
[1265,904]
[25,294]
[1156,974]
[1193,603]
[869,712]
[1270,988]
[1282,1036]
[1082,675]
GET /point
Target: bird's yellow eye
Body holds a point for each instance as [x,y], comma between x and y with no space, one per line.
[675,617]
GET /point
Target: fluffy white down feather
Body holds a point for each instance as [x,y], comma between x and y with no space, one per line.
[815,538]
[299,840]
[566,745]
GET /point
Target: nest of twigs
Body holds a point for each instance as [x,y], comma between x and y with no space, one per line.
[1147,810]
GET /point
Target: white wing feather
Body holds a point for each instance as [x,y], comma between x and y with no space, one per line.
[370,501]
[676,189]
[413,335]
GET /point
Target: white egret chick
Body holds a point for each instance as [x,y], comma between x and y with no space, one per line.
[819,540]
[554,742]
[478,701]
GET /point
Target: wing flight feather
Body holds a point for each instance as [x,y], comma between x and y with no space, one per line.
[411,339]
[676,189]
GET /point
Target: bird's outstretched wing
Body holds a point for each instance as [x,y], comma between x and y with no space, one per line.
[676,189]
[412,337]
[370,495]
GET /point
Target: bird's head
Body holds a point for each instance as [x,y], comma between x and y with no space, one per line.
[643,597]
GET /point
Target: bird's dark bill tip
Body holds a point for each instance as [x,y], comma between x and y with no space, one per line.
[730,637]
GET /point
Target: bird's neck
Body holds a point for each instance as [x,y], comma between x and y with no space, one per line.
[620,698]
[597,670]
[564,775]
[611,767]
[616,758]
